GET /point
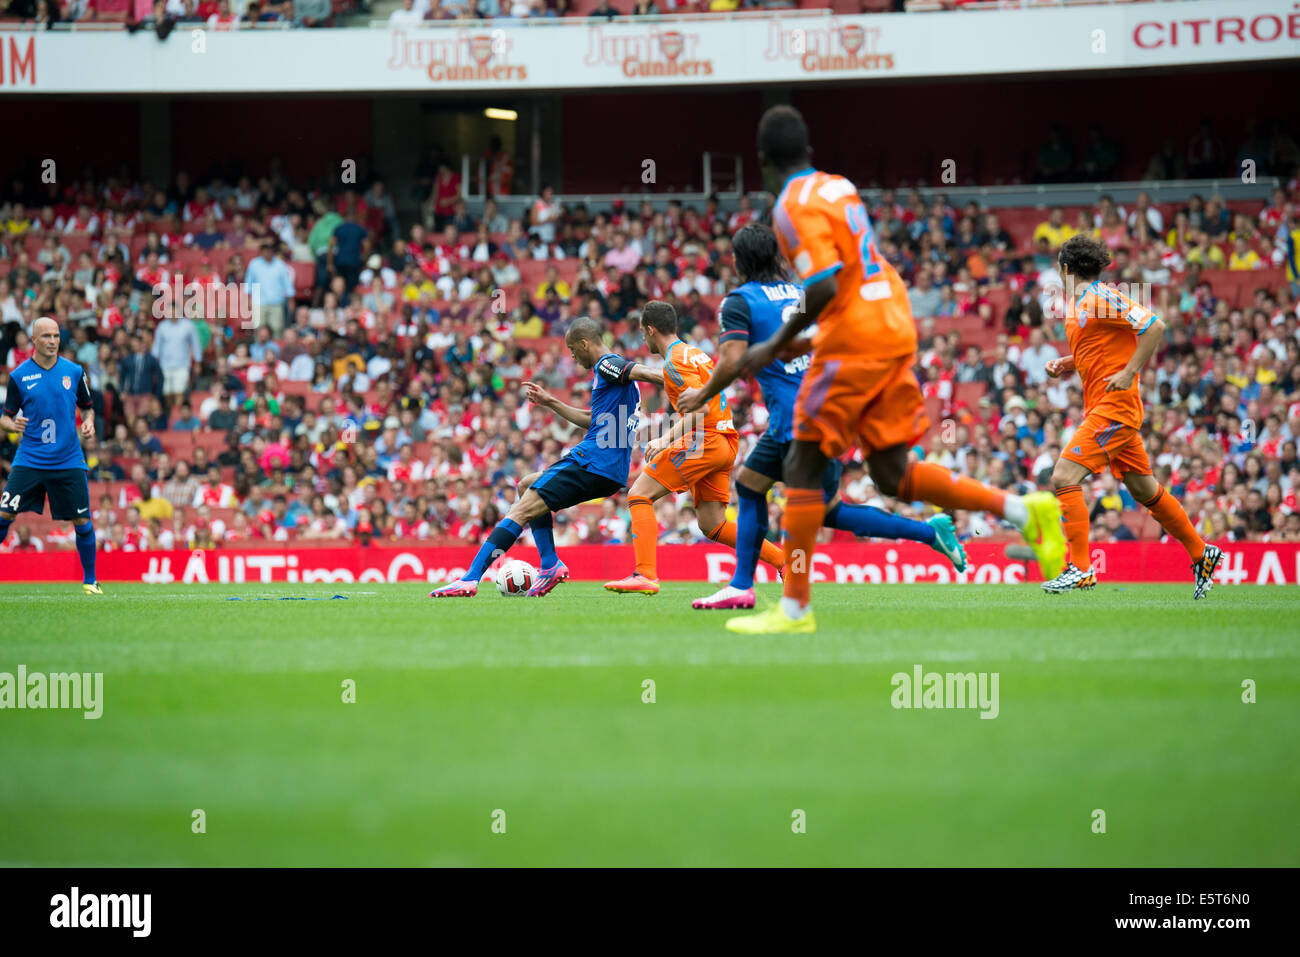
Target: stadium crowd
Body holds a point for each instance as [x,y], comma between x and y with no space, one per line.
[374,392]
[164,15]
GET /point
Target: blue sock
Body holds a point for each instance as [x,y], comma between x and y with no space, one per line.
[4,528]
[751,529]
[498,543]
[871,522]
[86,551]
[544,538]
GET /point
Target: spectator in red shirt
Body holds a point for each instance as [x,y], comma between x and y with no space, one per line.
[446,188]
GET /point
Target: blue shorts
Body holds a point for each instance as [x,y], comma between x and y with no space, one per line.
[768,459]
[566,484]
[67,489]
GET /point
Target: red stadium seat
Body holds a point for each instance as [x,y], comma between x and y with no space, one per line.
[968,392]
[179,445]
[214,443]
[77,244]
[304,279]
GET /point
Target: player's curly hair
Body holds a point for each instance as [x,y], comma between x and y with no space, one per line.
[757,255]
[1084,256]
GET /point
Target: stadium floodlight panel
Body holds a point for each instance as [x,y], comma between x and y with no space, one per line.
[493,113]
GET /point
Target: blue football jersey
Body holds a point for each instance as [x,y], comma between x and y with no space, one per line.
[49,398]
[606,449]
[753,313]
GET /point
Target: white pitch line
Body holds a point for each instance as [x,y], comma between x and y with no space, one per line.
[697,659]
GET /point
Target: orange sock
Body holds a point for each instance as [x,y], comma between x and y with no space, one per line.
[645,535]
[927,482]
[804,510]
[725,534]
[1076,523]
[1174,520]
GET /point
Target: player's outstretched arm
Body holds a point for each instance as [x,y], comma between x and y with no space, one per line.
[579,417]
[683,425]
[643,373]
[731,357]
[1063,365]
[537,395]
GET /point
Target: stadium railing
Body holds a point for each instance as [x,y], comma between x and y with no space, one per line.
[1033,195]
[542,23]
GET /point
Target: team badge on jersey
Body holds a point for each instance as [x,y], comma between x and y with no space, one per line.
[67,382]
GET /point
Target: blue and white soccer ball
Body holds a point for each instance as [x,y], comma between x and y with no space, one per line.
[514,578]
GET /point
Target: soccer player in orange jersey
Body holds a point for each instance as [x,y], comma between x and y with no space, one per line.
[860,386]
[1111,337]
[697,453]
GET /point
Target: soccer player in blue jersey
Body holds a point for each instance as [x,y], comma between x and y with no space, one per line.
[596,467]
[41,406]
[751,314]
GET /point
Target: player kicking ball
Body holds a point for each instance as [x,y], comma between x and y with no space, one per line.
[41,405]
[597,467]
[1111,338]
[697,454]
[751,313]
[860,386]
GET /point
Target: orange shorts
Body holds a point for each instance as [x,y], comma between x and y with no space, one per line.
[703,467]
[1100,441]
[877,404]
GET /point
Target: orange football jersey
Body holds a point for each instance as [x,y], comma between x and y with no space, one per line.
[1102,326]
[824,230]
[686,367]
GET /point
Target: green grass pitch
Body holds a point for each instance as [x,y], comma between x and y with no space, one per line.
[1127,700]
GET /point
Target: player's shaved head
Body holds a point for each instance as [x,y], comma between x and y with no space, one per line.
[659,316]
[783,137]
[758,258]
[1084,257]
[584,329]
[586,341]
[46,340]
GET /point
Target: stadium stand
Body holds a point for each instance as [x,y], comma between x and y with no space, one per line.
[373,393]
[382,402]
[224,14]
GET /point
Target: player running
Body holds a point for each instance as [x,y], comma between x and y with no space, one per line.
[1111,337]
[697,453]
[596,467]
[752,313]
[860,385]
[41,406]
